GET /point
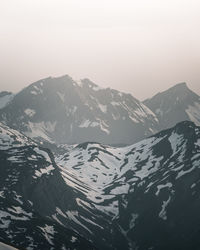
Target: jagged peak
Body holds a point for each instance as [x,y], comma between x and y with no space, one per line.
[63,80]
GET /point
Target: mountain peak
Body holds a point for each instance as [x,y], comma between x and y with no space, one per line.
[179,86]
[62,110]
[87,82]
[178,103]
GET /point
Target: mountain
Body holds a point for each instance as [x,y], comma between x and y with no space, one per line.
[32,195]
[174,105]
[143,196]
[5,98]
[60,110]
[148,191]
[91,195]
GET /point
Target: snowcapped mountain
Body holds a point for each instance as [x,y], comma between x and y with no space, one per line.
[149,192]
[174,105]
[143,196]
[64,111]
[31,191]
[5,98]
[91,195]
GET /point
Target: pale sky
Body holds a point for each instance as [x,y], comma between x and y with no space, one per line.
[136,46]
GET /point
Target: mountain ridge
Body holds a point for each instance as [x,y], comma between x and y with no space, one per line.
[105,194]
[63,111]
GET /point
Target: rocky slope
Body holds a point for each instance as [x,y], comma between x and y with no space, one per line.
[61,110]
[144,196]
[32,194]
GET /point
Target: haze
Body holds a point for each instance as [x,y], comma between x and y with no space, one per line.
[136,46]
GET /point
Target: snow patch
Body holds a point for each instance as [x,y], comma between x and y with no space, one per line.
[103,108]
[29,112]
[62,96]
[163,212]
[48,232]
[159,187]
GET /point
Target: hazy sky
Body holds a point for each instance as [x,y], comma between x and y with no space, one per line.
[137,46]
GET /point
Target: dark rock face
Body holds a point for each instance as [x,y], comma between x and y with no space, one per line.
[174,105]
[61,110]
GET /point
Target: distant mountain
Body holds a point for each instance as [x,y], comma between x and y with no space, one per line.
[5,98]
[32,194]
[174,105]
[148,191]
[61,110]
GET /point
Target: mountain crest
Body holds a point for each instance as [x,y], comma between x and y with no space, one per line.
[60,110]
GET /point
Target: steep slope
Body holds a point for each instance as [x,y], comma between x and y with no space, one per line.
[174,105]
[64,111]
[5,98]
[31,190]
[149,191]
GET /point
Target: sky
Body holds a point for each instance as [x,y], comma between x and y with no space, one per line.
[136,46]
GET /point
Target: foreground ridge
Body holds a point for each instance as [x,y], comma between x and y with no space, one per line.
[143,196]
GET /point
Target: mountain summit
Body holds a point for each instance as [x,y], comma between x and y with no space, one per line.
[62,110]
[174,105]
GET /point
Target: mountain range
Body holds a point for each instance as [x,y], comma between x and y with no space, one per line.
[63,111]
[84,167]
[143,196]
[60,110]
